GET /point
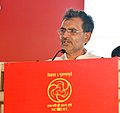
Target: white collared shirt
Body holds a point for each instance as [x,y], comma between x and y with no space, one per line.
[85,56]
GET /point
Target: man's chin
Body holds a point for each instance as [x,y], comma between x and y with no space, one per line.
[67,50]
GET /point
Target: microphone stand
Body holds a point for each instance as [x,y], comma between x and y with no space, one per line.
[62,51]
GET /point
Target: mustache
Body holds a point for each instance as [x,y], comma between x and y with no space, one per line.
[63,40]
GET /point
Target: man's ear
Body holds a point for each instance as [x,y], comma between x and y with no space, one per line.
[87,37]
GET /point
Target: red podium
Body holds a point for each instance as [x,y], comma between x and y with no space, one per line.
[80,86]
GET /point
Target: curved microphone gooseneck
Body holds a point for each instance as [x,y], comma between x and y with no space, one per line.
[62,51]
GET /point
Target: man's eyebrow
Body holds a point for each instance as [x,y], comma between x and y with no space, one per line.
[62,28]
[71,28]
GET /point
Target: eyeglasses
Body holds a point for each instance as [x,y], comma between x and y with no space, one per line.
[71,31]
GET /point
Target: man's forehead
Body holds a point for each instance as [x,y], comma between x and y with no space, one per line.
[72,22]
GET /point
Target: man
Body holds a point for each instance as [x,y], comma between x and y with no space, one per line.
[116,52]
[75,32]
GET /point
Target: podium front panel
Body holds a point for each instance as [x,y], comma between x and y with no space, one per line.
[80,86]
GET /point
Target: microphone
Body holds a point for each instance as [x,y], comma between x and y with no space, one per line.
[62,51]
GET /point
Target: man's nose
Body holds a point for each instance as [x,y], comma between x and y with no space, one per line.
[66,34]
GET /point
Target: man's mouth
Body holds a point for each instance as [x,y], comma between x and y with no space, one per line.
[66,41]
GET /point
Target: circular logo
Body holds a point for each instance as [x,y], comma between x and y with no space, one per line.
[59,90]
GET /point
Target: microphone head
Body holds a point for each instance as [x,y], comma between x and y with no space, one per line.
[63,51]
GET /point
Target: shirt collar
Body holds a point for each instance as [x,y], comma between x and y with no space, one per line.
[79,57]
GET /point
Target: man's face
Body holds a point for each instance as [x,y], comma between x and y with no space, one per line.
[72,37]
